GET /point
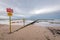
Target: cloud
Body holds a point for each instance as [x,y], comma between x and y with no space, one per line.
[3,7]
[11,4]
[4,17]
[46,10]
[18,15]
[26,8]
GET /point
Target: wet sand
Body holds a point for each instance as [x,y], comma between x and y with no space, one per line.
[31,32]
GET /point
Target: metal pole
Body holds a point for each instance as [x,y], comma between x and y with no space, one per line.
[10,23]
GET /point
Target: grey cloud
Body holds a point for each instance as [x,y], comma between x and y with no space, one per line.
[25,6]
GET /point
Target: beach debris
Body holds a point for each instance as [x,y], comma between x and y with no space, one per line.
[47,38]
[58,31]
[54,31]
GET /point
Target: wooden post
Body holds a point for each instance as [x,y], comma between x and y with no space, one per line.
[10,23]
[23,21]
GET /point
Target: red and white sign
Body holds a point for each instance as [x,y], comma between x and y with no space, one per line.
[9,10]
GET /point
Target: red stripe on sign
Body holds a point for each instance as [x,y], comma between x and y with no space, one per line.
[9,10]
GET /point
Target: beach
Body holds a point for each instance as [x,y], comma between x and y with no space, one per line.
[29,19]
[31,32]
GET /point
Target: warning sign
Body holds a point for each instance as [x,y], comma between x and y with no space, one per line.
[9,11]
[9,14]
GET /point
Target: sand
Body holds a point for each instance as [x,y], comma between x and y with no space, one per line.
[31,32]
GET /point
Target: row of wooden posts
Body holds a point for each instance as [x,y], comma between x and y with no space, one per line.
[11,26]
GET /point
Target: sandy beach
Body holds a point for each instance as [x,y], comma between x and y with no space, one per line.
[31,32]
[29,19]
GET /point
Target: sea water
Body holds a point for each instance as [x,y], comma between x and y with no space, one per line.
[48,24]
[44,24]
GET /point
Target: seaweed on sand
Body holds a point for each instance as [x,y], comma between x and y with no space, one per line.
[54,31]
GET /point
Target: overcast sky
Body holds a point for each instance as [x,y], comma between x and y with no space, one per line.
[27,8]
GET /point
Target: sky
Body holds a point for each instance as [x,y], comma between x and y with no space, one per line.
[28,8]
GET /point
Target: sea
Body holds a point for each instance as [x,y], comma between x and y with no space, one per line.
[43,23]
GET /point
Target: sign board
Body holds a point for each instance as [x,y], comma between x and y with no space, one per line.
[9,11]
[9,14]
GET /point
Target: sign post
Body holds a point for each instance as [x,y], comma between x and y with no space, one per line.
[9,12]
[23,21]
[10,23]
